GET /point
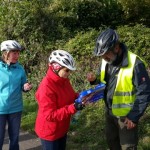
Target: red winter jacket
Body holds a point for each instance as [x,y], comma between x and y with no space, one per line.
[55,97]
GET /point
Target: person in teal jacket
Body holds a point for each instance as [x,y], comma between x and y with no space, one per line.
[12,82]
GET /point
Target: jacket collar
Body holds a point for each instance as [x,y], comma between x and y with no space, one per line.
[3,64]
[125,61]
[53,76]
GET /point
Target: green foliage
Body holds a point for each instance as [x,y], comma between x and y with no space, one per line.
[86,128]
[82,44]
[31,22]
[90,14]
[99,12]
[144,130]
[136,11]
[43,26]
[29,112]
[137,39]
[79,14]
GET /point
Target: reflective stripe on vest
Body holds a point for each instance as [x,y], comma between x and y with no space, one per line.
[124,95]
[102,74]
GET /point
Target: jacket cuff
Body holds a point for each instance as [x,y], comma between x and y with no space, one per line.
[72,109]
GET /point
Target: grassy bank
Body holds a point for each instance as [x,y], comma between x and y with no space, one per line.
[88,131]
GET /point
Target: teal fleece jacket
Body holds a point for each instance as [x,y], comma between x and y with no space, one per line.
[12,79]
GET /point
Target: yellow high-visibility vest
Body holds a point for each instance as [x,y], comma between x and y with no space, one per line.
[124,94]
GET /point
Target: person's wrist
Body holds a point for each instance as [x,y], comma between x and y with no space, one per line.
[79,105]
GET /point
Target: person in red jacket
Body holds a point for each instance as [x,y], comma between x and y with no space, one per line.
[56,102]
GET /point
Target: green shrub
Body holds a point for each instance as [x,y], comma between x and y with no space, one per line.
[137,39]
[43,26]
[136,11]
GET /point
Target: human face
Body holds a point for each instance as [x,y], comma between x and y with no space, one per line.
[111,55]
[64,72]
[13,56]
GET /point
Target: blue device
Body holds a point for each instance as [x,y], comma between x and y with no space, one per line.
[92,95]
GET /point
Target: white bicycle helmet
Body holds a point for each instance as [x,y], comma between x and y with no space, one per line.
[10,45]
[63,58]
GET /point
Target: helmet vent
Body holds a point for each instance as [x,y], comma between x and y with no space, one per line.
[54,53]
[61,54]
[66,62]
[58,58]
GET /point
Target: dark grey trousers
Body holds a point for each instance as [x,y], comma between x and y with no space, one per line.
[118,136]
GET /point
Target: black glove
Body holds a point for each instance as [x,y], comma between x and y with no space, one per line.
[78,105]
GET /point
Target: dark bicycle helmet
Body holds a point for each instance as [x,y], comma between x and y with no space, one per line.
[105,41]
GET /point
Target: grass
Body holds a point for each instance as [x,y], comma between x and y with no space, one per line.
[87,133]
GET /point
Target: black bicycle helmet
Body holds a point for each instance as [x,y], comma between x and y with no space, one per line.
[105,41]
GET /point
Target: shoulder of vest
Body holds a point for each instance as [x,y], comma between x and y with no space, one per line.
[133,54]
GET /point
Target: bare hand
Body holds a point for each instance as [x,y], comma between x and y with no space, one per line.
[27,86]
[129,123]
[91,76]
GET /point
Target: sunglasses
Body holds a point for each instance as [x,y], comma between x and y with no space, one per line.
[67,70]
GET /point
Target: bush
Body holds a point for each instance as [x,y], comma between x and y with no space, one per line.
[136,11]
[137,39]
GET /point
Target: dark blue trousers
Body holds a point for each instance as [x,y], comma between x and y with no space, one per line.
[13,121]
[59,144]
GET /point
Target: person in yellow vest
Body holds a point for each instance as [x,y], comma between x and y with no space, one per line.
[127,92]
